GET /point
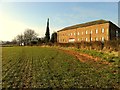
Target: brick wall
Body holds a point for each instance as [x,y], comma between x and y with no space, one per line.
[98,32]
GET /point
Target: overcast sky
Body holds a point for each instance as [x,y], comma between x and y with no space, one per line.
[15,17]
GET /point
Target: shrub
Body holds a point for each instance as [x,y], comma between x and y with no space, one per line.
[84,45]
[97,45]
[77,45]
[112,45]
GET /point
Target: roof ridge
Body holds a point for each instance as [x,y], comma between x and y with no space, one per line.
[100,21]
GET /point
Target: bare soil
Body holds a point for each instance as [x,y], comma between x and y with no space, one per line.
[85,57]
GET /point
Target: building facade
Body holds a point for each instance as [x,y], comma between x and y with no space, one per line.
[99,30]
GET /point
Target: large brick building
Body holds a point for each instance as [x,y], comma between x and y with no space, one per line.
[99,30]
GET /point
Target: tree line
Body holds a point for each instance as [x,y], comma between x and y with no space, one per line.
[30,37]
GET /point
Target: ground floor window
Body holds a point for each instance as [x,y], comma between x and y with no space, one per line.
[86,39]
[96,39]
[71,40]
[102,39]
[91,39]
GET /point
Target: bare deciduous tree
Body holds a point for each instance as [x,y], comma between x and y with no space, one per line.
[29,35]
[14,41]
[20,39]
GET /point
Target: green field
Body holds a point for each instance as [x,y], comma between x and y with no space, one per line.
[44,67]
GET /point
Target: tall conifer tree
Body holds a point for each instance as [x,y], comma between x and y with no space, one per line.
[47,34]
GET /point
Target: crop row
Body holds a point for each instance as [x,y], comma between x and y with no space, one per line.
[37,67]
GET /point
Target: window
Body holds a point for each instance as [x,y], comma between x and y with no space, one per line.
[82,39]
[78,39]
[78,33]
[74,33]
[102,30]
[96,39]
[116,33]
[71,34]
[82,33]
[86,32]
[102,38]
[86,39]
[91,32]
[91,39]
[71,40]
[96,30]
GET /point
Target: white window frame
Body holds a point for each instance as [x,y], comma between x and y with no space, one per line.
[102,39]
[103,30]
[96,31]
[91,32]
[96,38]
[74,33]
[86,32]
[91,38]
[71,40]
[116,33]
[86,39]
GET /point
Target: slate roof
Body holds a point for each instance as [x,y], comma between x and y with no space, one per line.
[101,21]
